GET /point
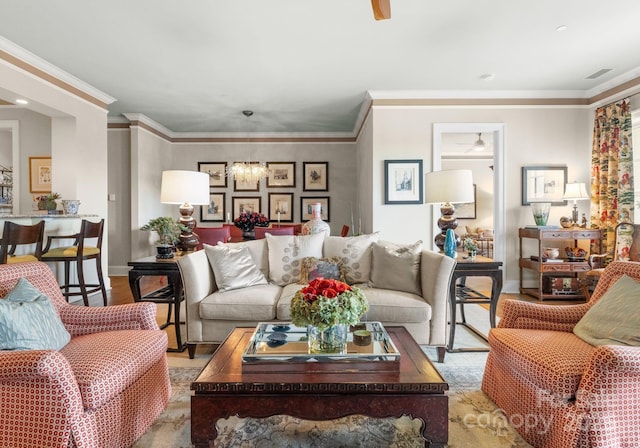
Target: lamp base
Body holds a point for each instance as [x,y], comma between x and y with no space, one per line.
[188,239]
[445,222]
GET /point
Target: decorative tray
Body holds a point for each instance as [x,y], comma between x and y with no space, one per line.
[284,347]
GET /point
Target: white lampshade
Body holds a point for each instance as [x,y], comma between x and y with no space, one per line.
[449,186]
[179,187]
[575,191]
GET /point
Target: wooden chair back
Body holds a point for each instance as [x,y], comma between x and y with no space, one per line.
[260,231]
[212,235]
[14,235]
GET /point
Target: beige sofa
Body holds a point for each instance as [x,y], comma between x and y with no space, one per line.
[405,285]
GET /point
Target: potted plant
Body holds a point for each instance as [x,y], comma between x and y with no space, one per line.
[169,232]
[471,246]
[48,202]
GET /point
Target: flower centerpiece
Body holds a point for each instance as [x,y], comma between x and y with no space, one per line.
[471,247]
[48,201]
[247,221]
[326,307]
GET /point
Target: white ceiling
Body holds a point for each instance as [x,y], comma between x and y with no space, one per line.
[306,65]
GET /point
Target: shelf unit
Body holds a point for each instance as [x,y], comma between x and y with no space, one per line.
[6,189]
[565,269]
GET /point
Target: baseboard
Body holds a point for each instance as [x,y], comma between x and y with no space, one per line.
[119,271]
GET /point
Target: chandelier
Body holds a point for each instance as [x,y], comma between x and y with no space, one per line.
[247,172]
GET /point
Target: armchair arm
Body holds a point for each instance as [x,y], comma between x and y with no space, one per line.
[536,316]
[50,239]
[79,320]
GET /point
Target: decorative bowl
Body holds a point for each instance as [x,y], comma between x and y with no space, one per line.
[575,253]
[551,252]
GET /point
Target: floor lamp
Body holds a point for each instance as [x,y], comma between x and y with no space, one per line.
[448,187]
[187,188]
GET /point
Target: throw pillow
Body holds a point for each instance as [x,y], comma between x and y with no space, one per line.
[396,266]
[615,318]
[233,267]
[312,268]
[355,253]
[29,321]
[286,253]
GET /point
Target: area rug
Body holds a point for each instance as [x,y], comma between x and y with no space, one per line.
[474,421]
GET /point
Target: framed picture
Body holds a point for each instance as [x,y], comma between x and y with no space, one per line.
[543,184]
[316,176]
[215,210]
[281,174]
[246,204]
[40,174]
[217,172]
[466,210]
[305,207]
[403,182]
[281,207]
[246,186]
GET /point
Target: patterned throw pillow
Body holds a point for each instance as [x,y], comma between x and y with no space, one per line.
[355,253]
[286,254]
[233,267]
[29,321]
[397,267]
[615,318]
[313,268]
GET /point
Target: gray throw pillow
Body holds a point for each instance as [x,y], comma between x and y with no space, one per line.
[29,321]
[396,266]
[615,318]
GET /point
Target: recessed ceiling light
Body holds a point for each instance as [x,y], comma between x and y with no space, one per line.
[21,101]
[562,28]
[488,76]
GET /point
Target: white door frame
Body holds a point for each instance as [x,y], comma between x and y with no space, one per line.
[14,127]
[499,211]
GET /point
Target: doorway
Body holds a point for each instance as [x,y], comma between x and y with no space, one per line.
[10,159]
[487,163]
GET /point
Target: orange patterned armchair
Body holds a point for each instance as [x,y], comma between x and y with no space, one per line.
[103,389]
[557,390]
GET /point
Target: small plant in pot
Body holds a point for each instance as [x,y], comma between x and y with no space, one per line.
[169,232]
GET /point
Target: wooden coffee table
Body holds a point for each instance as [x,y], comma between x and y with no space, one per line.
[415,389]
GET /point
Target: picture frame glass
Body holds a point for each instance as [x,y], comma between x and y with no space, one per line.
[281,174]
[246,204]
[215,210]
[217,172]
[305,208]
[316,176]
[40,174]
[544,184]
[466,210]
[281,207]
[403,182]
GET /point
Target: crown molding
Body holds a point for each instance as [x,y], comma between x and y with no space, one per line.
[38,67]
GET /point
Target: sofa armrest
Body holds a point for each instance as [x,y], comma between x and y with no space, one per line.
[79,320]
[198,282]
[435,276]
[537,316]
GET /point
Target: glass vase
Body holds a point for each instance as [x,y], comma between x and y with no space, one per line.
[332,340]
[540,212]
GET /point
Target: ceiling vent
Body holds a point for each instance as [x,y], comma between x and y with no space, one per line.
[599,73]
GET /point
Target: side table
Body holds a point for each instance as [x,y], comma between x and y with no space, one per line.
[460,294]
[171,294]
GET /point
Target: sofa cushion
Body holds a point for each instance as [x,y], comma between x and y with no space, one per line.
[29,321]
[396,266]
[105,364]
[355,253]
[395,306]
[619,304]
[286,253]
[233,267]
[552,360]
[255,303]
[312,268]
[259,253]
[284,303]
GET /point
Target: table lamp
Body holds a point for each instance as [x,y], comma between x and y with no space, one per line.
[448,187]
[186,188]
[575,191]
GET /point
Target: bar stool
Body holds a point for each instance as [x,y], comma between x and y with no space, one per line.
[78,253]
[17,234]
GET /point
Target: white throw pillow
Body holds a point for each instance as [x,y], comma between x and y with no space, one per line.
[29,321]
[396,266]
[286,253]
[355,253]
[233,267]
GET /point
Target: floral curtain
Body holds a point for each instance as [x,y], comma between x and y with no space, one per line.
[612,195]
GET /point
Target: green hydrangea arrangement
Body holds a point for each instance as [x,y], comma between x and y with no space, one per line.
[325,303]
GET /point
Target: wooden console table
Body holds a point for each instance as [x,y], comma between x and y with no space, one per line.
[171,294]
[460,294]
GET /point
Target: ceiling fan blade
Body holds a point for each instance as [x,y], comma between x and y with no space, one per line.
[381,9]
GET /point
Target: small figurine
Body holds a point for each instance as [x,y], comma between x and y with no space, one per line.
[584,221]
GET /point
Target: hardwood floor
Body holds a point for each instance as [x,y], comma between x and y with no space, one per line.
[121,292]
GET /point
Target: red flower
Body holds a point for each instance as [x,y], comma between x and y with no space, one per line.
[330,293]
